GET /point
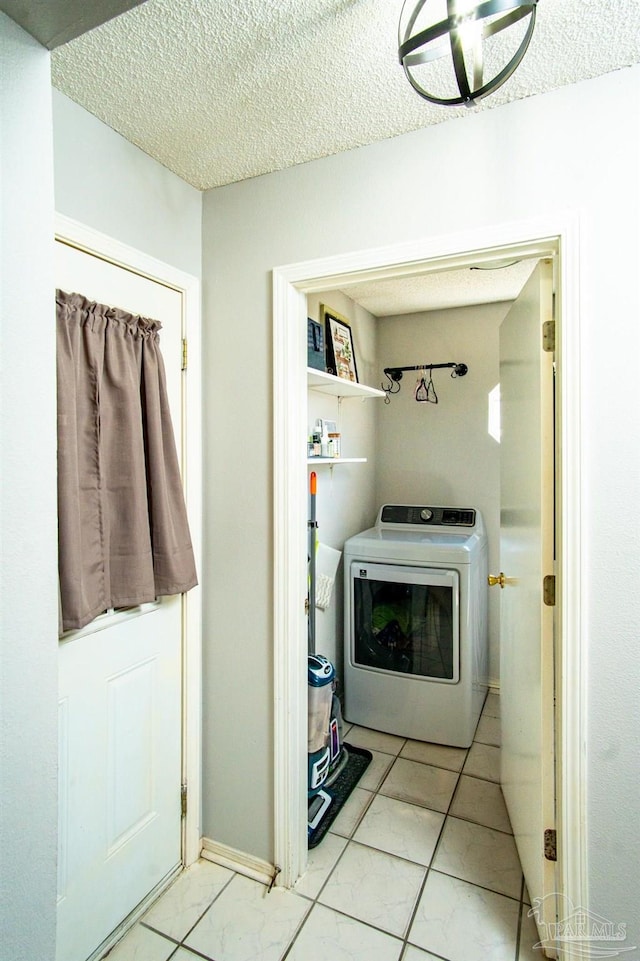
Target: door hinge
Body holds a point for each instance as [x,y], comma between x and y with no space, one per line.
[183,800]
[549,590]
[184,354]
[549,336]
[550,844]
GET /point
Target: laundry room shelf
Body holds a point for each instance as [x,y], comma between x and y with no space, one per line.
[329,384]
[332,461]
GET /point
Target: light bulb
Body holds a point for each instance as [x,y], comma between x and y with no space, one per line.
[468,28]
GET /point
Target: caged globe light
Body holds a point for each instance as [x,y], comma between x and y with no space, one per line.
[476,38]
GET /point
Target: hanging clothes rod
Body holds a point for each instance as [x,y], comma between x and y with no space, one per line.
[424,392]
[395,373]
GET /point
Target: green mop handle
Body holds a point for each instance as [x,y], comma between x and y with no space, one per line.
[312,564]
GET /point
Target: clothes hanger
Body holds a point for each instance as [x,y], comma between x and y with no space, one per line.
[425,391]
[422,390]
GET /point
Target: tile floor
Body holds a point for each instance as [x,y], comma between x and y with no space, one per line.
[420,865]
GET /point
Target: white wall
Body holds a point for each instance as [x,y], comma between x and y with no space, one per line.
[575,149]
[106,183]
[28,589]
[110,185]
[443,453]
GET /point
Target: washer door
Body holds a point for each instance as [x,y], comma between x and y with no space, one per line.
[405,620]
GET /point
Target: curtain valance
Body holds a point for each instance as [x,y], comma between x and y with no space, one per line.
[122,524]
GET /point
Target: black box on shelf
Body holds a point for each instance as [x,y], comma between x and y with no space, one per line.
[315,345]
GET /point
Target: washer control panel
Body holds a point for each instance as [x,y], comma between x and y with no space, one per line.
[433,516]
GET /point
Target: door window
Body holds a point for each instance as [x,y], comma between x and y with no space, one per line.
[405,622]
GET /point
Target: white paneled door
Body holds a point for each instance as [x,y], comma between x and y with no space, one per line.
[527,556]
[120,697]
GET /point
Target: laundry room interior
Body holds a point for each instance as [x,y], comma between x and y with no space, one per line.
[442,451]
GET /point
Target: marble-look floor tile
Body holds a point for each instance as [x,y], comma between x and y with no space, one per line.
[529,937]
[330,936]
[350,815]
[482,802]
[431,787]
[488,730]
[399,828]
[479,855]
[245,922]
[141,944]
[183,954]
[462,922]
[492,705]
[439,755]
[374,887]
[176,912]
[321,862]
[412,953]
[483,761]
[375,740]
[376,772]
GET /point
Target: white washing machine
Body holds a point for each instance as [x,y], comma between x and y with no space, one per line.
[416,645]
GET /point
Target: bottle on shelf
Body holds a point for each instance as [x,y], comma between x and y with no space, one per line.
[333,445]
[324,440]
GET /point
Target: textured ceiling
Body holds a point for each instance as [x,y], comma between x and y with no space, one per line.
[219,91]
[442,290]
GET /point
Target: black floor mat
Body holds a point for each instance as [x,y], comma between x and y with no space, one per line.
[357,762]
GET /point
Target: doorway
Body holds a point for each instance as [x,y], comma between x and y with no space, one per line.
[129,682]
[291,285]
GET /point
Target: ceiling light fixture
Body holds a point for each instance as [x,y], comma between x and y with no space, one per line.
[476,37]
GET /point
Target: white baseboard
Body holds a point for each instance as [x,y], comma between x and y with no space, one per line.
[239,861]
[494,686]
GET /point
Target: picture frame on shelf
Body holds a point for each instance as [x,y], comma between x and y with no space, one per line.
[339,350]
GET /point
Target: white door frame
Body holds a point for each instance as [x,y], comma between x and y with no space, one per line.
[107,248]
[557,237]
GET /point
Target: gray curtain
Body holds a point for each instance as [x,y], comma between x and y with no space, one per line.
[123,533]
